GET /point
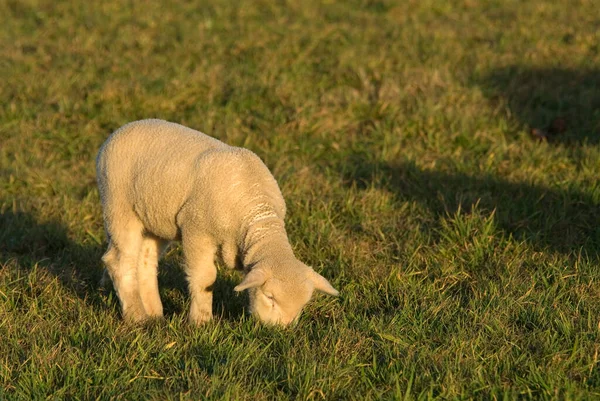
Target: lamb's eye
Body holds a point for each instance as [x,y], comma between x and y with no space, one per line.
[271,299]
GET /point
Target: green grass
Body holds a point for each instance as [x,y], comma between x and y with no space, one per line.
[466,252]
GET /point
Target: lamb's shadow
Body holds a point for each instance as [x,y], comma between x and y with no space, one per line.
[79,269]
[561,100]
[47,245]
[564,220]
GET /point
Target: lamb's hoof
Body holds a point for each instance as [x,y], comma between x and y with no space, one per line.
[154,322]
[135,316]
[199,319]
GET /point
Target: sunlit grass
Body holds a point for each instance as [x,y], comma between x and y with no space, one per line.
[465,251]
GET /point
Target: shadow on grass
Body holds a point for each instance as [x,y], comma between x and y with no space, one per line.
[29,242]
[555,219]
[79,267]
[227,304]
[551,99]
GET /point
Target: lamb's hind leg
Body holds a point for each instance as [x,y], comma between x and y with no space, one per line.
[147,270]
[201,272]
[121,261]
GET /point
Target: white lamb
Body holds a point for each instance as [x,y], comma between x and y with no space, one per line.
[160,182]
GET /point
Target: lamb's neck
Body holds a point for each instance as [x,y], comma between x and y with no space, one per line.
[266,240]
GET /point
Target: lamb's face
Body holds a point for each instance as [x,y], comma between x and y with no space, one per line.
[278,298]
[279,301]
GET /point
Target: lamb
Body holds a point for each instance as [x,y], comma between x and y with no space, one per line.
[160,182]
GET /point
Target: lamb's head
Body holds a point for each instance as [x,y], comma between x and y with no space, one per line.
[277,295]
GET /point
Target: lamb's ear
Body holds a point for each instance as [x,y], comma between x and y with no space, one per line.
[322,284]
[255,278]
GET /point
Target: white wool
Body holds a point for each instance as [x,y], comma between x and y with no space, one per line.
[160,182]
[260,212]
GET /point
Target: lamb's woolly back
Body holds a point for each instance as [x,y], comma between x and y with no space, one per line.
[160,168]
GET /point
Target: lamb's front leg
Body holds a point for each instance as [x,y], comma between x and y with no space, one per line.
[201,272]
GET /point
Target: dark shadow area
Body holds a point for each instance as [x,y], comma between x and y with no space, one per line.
[227,304]
[564,104]
[555,219]
[79,267]
[29,242]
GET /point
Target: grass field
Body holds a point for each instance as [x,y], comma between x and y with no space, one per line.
[465,250]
